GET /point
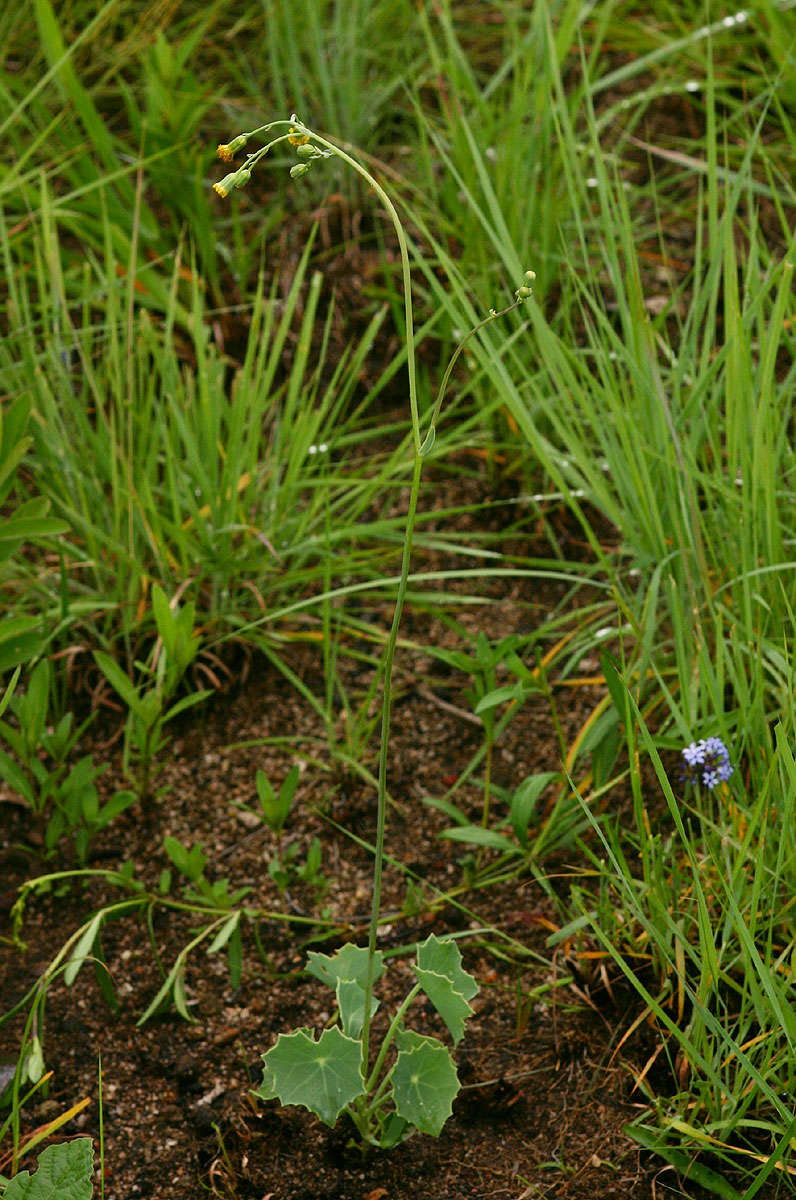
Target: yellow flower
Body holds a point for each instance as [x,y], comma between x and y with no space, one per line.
[228,150]
[225,185]
[236,179]
[297,139]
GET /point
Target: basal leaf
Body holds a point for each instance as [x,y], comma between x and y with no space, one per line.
[323,1076]
[164,619]
[444,958]
[350,962]
[15,777]
[450,1004]
[64,1173]
[425,1083]
[274,810]
[616,686]
[394,1130]
[351,1003]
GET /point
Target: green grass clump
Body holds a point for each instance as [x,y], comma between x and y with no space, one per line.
[664,404]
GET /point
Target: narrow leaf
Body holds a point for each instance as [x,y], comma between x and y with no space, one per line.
[82,948]
[118,680]
[476,835]
[523,804]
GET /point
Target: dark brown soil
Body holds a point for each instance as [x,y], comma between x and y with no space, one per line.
[548,1081]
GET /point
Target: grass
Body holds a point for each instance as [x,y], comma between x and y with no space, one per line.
[639,159]
[673,423]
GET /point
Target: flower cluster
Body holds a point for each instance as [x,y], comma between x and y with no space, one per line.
[707,762]
[306,151]
[235,179]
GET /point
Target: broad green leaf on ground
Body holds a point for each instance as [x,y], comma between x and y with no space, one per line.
[425,1083]
[450,1004]
[351,1003]
[443,957]
[446,984]
[323,1076]
[64,1172]
[350,962]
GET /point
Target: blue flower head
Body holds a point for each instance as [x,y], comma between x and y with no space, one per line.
[707,762]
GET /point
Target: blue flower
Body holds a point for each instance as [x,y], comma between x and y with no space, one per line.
[707,762]
[695,753]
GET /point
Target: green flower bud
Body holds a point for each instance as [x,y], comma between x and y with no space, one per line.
[523,293]
[530,276]
[306,152]
[298,170]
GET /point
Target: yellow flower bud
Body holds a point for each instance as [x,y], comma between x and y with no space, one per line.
[225,185]
[228,150]
[237,179]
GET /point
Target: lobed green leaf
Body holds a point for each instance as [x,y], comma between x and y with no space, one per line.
[350,962]
[323,1076]
[425,1082]
[64,1173]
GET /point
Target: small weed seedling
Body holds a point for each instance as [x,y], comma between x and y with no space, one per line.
[285,865]
[150,703]
[414,1091]
[61,798]
[415,1088]
[200,891]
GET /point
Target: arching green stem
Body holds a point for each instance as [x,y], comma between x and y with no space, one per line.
[421,447]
